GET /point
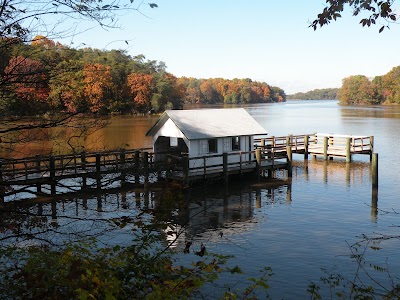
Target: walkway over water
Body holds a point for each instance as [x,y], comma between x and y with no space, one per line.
[52,175]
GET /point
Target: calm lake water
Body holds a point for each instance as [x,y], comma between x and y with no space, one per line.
[297,228]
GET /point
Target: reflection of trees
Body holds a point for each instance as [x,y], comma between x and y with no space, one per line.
[114,217]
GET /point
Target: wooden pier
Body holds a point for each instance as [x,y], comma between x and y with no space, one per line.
[53,175]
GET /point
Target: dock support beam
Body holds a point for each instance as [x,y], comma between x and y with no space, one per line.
[83,165]
[289,160]
[326,145]
[258,163]
[375,171]
[122,166]
[371,146]
[137,166]
[348,150]
[145,159]
[98,169]
[306,141]
[52,176]
[225,167]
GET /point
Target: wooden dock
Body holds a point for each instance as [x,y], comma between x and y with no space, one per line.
[321,144]
[53,175]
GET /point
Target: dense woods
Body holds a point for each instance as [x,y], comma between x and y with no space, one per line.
[318,94]
[45,76]
[360,89]
[219,90]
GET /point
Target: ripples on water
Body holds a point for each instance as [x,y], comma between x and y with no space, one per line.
[295,227]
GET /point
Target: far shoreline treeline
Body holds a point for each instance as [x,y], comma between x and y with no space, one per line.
[360,90]
[317,94]
[48,77]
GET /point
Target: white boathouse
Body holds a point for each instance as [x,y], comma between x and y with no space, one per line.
[205,133]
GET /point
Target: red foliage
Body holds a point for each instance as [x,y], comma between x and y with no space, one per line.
[28,79]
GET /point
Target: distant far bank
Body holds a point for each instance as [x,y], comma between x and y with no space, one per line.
[317,94]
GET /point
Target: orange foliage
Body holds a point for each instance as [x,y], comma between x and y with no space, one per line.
[98,81]
[141,89]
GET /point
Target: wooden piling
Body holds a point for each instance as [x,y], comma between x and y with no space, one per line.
[38,185]
[52,175]
[375,170]
[326,145]
[225,167]
[348,149]
[306,141]
[258,162]
[122,166]
[289,161]
[137,166]
[83,166]
[98,171]
[371,146]
[145,159]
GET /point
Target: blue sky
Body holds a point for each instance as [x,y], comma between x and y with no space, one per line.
[263,40]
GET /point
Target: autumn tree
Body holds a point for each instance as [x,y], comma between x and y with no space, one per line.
[390,86]
[28,82]
[356,90]
[141,88]
[67,87]
[98,83]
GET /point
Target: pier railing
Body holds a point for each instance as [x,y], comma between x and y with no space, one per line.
[326,145]
[223,165]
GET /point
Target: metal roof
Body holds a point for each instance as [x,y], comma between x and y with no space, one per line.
[209,123]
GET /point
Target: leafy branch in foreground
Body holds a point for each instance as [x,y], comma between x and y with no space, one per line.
[375,11]
[85,270]
[368,282]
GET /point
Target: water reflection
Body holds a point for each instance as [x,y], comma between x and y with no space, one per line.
[198,210]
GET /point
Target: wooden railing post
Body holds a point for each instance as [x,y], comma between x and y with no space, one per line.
[52,165]
[225,166]
[271,158]
[38,185]
[145,159]
[289,140]
[306,140]
[137,166]
[204,166]
[326,139]
[122,166]
[98,170]
[371,146]
[375,170]
[348,149]
[258,163]
[289,160]
[83,166]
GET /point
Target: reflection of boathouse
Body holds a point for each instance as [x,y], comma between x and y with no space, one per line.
[205,132]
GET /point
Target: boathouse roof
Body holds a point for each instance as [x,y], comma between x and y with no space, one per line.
[210,123]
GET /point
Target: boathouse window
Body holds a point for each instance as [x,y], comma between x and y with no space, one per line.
[212,146]
[231,144]
[236,143]
[208,146]
[227,144]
